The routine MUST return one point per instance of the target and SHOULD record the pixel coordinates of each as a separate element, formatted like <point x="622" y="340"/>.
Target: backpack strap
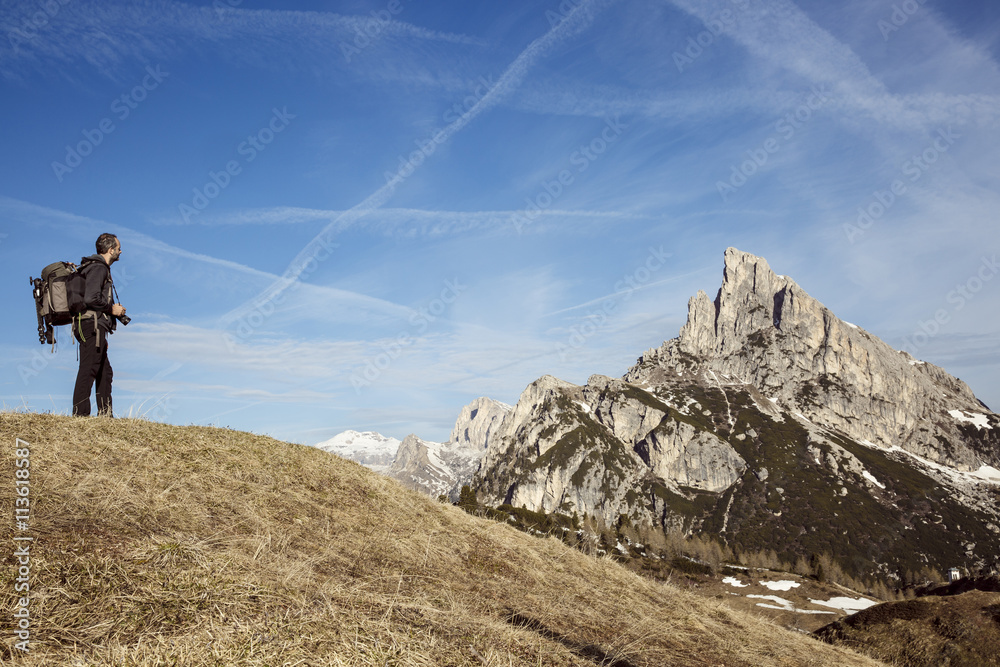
<point x="97" y="329"/>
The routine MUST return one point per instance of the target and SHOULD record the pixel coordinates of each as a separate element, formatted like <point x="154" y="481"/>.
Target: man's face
<point x="116" y="252"/>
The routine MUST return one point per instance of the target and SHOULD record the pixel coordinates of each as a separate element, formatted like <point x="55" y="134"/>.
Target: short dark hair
<point x="106" y="242"/>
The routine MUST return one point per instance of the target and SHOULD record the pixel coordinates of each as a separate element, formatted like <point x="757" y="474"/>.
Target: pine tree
<point x="467" y="499"/>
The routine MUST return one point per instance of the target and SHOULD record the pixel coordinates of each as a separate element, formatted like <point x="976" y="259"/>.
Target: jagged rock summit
<point x="442" y="468"/>
<point x="764" y="330"/>
<point x="768" y="423"/>
<point x="477" y="422"/>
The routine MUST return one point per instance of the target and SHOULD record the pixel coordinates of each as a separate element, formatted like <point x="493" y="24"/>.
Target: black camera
<point x="124" y="319"/>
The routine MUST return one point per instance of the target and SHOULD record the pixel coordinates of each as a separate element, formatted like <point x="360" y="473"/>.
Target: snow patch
<point x="871" y="478"/>
<point x="914" y="362"/>
<point x="780" y="585"/>
<point x="583" y="406"/>
<point x="988" y="474"/>
<point x="785" y="605"/>
<point x="978" y="420"/>
<point x="853" y="326"/>
<point x="849" y="605"/>
<point x="688" y="402"/>
<point x="985" y="474"/>
<point x="733" y="581"/>
<point x="774" y="598"/>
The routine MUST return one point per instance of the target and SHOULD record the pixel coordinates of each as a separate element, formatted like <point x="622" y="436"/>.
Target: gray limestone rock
<point x="766" y="331"/>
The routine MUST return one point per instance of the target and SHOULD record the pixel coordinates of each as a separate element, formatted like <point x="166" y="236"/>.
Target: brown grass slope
<point x="959" y="631"/>
<point x="165" y="545"/>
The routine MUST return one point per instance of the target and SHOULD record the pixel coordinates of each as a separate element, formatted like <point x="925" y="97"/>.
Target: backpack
<point x="59" y="295"/>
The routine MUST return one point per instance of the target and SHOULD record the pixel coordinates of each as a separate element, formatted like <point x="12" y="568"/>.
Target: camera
<point x="124" y="319"/>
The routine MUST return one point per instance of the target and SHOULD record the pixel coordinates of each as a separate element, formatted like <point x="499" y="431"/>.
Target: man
<point x="93" y="326"/>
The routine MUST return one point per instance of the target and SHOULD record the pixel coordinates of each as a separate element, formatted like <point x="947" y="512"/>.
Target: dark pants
<point x="94" y="367"/>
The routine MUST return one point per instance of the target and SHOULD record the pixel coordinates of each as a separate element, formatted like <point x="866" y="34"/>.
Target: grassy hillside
<point x="161" y="545"/>
<point x="960" y="631"/>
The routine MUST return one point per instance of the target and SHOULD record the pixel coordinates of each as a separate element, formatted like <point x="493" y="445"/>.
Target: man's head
<point x="109" y="247"/>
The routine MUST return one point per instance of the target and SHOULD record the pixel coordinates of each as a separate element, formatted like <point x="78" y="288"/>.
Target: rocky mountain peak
<point x="477" y="422"/>
<point x="752" y="298"/>
<point x="768" y="423"/>
<point x="765" y="331"/>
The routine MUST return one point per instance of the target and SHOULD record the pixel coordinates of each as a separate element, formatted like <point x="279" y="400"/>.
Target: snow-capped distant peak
<point x="368" y="448"/>
<point x="356" y="441"/>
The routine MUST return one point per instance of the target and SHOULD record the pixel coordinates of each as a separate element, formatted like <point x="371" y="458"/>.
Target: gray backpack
<point x="59" y="296"/>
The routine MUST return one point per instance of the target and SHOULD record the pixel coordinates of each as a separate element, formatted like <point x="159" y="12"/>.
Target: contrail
<point x="575" y="22"/>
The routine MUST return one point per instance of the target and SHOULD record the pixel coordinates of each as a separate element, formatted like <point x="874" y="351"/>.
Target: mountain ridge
<point x="756" y="425"/>
<point x="433" y="468"/>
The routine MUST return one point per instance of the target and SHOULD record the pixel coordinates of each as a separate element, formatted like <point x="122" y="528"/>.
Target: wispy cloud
<point x="108" y="36"/>
<point x="578" y="20"/>
<point x="410" y="221"/>
<point x="782" y="34"/>
<point x="205" y="272"/>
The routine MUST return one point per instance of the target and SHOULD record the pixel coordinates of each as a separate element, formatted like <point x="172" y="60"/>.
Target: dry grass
<point x="165" y="545"/>
<point x="959" y="630"/>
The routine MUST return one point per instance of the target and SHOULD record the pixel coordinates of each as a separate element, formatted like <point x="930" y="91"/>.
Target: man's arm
<point x="94" y="297"/>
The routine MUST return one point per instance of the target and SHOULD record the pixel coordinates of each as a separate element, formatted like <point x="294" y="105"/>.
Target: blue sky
<point x="365" y="214"/>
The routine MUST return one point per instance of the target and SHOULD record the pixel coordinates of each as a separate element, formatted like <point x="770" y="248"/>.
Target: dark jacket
<point x="98" y="296"/>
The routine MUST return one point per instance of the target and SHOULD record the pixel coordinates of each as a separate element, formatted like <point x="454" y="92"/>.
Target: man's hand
<point x="117" y="310"/>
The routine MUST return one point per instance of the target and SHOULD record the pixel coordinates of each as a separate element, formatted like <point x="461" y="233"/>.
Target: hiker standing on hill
<point x="93" y="326"/>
